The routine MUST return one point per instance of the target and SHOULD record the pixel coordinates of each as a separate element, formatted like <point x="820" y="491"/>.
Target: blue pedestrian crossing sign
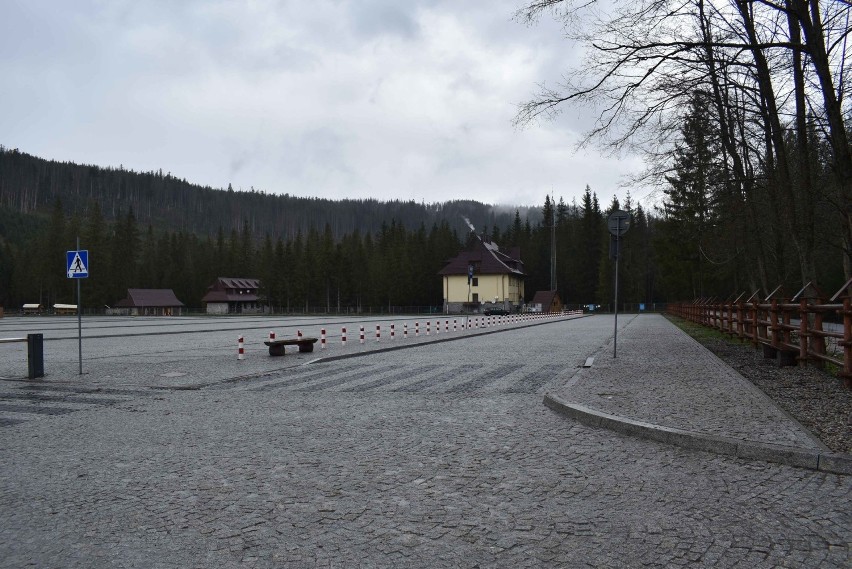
<point x="77" y="264"/>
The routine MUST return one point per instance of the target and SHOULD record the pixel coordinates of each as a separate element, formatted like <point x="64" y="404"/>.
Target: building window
<point x="475" y="281"/>
<point x="475" y="297"/>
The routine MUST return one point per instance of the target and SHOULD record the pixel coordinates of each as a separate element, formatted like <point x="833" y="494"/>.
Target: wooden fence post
<point x="811" y="340"/>
<point x="846" y="374"/>
<point x="845" y="293"/>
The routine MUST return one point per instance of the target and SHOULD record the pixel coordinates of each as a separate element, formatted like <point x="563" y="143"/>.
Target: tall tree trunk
<point x="789" y="213"/>
<point x="804" y="185"/>
<point x="808" y="14"/>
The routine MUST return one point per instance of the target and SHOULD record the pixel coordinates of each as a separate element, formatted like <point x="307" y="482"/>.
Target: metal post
<point x="79" y="320"/>
<point x="615" y="333"/>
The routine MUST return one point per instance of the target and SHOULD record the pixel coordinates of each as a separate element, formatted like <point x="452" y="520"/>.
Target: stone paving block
<point x="835" y="462"/>
<point x="779" y="454"/>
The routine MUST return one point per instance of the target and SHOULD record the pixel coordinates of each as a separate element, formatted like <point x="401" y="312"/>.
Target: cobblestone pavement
<point x="190" y="351"/>
<point x="441" y="455"/>
<point x="655" y="360"/>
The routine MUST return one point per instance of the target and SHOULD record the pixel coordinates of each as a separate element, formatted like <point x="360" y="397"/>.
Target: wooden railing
<point x="790" y="330"/>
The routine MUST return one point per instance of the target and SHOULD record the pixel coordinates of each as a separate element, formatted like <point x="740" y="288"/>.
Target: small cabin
<point x="545" y="301"/>
<point x="30" y="309"/>
<point x="149" y="302"/>
<point x="229" y="295"/>
<point x="65" y="309"/>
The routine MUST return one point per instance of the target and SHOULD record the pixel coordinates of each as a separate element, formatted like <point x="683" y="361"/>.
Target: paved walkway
<point x="441" y="455"/>
<point x="665" y="385"/>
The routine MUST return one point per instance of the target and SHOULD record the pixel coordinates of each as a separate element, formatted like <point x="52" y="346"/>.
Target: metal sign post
<point x="618" y="224"/>
<point x="77" y="267"/>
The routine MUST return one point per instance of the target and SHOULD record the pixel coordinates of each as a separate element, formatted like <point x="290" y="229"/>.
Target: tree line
<point x="568" y="249"/>
<point x="395" y="267"/>
<point x="741" y="109"/>
<point x="392" y="267"/>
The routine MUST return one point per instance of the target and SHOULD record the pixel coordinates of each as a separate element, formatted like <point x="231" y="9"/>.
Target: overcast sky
<point x="338" y="99"/>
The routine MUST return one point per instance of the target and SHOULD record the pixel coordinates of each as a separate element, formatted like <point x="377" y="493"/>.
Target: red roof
<point x="487" y="260"/>
<point x="149" y="297"/>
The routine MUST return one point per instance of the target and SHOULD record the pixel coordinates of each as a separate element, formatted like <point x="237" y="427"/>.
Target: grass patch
<point x="702" y="333"/>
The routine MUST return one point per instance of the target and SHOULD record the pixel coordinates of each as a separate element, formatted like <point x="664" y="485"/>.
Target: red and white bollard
<point x="343" y="336"/>
<point x="446" y="326"/>
<point x="271" y="335"/>
<point x="455" y="325"/>
<point x="322" y="338"/>
<point x="299" y="334"/>
<point x="428" y="326"/>
<point x="417" y="329"/>
<point x="361" y="331"/>
<point x="405" y="331"/>
<point x="393" y="331"/>
<point x="378" y="333"/>
<point x="241" y="352"/>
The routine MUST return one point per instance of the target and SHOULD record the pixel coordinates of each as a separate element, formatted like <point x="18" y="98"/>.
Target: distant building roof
<point x="149" y="297"/>
<point x="230" y="289"/>
<point x="238" y="283"/>
<point x="487" y="260"/>
<point x="545" y="297"/>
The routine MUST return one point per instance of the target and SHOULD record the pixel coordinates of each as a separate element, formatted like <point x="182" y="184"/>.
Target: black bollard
<point x="35" y="355"/>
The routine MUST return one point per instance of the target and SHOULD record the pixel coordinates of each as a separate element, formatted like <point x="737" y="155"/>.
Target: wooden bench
<point x="276" y="347"/>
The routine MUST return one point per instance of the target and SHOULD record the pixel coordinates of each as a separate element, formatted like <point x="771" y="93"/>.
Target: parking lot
<point x="173" y="351"/>
<point x="170" y="452"/>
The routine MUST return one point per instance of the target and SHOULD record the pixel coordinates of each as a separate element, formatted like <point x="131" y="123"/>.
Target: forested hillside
<point x="155" y="231"/>
<point x="32" y="185"/>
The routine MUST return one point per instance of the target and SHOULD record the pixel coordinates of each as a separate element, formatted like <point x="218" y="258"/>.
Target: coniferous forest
<point x="150" y="230"/>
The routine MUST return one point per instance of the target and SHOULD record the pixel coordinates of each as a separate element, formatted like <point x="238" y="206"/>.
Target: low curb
<point x="835" y="463"/>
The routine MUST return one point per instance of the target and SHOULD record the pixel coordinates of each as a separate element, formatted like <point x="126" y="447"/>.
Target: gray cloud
<point x="337" y="99"/>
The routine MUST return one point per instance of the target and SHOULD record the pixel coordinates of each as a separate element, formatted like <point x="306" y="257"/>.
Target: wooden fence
<point x="791" y="330"/>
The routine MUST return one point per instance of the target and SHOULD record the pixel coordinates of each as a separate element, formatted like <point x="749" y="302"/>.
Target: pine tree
<point x="590" y="240"/>
<point x="605" y="292"/>
<point x="94" y="238"/>
<point x="52" y="274"/>
<point x="689" y="207"/>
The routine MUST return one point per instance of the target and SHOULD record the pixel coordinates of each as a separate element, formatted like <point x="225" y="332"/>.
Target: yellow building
<point x="484" y="279"/>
